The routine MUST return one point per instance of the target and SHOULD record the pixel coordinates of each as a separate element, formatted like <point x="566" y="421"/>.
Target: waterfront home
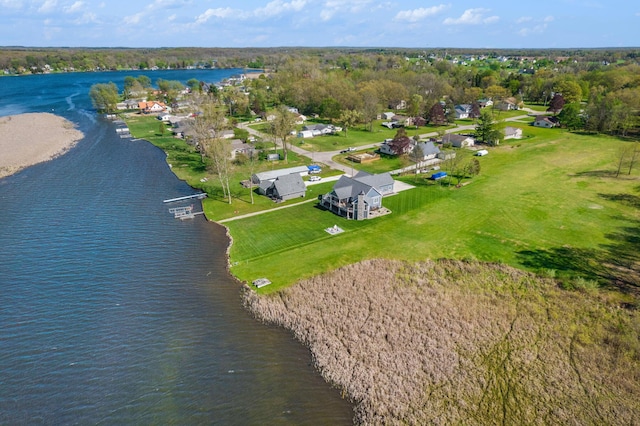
<point x="358" y="197"/>
<point x="286" y="187"/>
<point x="152" y="107"/>
<point x="271" y="175"/>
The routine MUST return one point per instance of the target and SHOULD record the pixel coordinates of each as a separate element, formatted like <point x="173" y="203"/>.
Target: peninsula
<point x="32" y="138"/>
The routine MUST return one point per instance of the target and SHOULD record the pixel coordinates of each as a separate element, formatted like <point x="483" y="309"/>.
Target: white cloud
<point x="47" y="6"/>
<point x="278" y="7"/>
<point x="549" y="19"/>
<point x="335" y="7"/>
<point x="472" y="17"/>
<point x="274" y="8"/>
<point x="215" y="13"/>
<point x="133" y="19"/>
<point x="74" y="7"/>
<point x="86" y="18"/>
<point x="524" y="19"/>
<point x="416" y="15"/>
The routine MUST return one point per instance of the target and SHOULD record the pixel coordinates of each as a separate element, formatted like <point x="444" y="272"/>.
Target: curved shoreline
<point x="32" y="138"/>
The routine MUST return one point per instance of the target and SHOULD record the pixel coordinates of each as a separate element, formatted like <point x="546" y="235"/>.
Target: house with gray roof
<point x="271" y="175"/>
<point x="358" y="196"/>
<point x="458" y="141"/>
<point x="286" y="187"/>
<point x="427" y="151"/>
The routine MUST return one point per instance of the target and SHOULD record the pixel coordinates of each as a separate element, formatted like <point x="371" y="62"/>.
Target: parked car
<point x="314" y="178"/>
<point x="350" y="149"/>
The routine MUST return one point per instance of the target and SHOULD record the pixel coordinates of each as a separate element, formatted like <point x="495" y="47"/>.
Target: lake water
<point x="114" y="312"/>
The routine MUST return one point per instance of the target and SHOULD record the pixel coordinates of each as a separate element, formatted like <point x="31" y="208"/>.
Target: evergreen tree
<point x="486" y="130"/>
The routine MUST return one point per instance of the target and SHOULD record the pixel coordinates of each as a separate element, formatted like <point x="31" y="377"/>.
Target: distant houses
<point x="546" y="121"/>
<point x="313" y="130"/>
<point x="462" y="111"/>
<point x="152" y="107"/>
<point x="358" y="197"/>
<point x="458" y="141"/>
<point x="512" y="133"/>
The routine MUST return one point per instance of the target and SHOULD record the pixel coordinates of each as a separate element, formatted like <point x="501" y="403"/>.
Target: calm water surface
<point x="113" y="312"/>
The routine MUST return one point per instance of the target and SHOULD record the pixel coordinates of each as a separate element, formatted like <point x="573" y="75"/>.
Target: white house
<point x="462" y="111"/>
<point x="458" y="141"/>
<point x="512" y="133"/>
<point x="545" y="121"/>
<point x="507" y="104"/>
<point x="427" y="151"/>
<point x="305" y="134"/>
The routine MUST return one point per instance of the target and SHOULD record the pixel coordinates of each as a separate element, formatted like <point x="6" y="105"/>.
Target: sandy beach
<point x="29" y="139"/>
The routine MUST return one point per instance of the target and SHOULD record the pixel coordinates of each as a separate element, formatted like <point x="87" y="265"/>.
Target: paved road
<point x="326" y="157"/>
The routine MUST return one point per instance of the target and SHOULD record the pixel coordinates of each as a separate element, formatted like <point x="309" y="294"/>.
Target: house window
<point x="375" y="200"/>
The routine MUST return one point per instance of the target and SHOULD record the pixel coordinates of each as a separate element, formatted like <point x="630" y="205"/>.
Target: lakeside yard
<point x="548" y="202"/>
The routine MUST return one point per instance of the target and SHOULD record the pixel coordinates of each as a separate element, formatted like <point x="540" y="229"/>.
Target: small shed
<point x="481" y="153"/>
<point x="305" y="134"/>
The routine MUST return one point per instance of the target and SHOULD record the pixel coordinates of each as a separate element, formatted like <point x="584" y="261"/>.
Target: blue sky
<point x="357" y="23"/>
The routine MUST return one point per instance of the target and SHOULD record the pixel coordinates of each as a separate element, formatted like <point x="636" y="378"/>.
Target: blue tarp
<point x="438" y="175"/>
<point x="313" y="167"/>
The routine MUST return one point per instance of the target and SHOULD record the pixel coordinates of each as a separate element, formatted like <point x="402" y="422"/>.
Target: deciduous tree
<point x="282" y="126"/>
<point x="436" y="115"/>
<point x="104" y="96"/>
<point x="557" y="103"/>
<point x="349" y="118"/>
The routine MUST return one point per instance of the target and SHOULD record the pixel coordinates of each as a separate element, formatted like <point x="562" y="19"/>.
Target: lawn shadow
<point x="595" y="173"/>
<point x="615" y="264"/>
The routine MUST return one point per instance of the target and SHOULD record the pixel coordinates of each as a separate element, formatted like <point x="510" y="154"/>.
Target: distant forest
<point x="596" y="90"/>
<point x="20" y="60"/>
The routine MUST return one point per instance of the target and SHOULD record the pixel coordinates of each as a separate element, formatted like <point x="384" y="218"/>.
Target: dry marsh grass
<point x="454" y="342"/>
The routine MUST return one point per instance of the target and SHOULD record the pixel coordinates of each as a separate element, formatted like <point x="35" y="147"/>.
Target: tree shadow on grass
<point x="626" y="199"/>
<point x="595" y="173"/>
<point x="615" y="264"/>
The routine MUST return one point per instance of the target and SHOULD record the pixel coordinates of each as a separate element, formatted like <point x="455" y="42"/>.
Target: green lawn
<point x="358" y="136"/>
<point x="544" y="203"/>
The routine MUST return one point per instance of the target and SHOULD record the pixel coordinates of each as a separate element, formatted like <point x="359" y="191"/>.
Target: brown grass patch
<point x="443" y="342"/>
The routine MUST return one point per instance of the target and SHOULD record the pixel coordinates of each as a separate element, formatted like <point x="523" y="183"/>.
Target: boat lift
<point x="183" y="213"/>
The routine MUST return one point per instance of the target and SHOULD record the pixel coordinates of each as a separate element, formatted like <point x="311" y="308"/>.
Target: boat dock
<point x="199" y="196"/>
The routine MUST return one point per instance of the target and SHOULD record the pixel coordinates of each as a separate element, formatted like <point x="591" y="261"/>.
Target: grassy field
<point x="359" y="136"/>
<point x="546" y="203"/>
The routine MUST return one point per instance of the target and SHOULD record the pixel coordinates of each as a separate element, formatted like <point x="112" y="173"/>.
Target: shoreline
<point x="32" y="138"/>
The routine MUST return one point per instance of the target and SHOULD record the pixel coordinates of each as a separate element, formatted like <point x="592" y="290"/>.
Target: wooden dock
<point x="199" y="196"/>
